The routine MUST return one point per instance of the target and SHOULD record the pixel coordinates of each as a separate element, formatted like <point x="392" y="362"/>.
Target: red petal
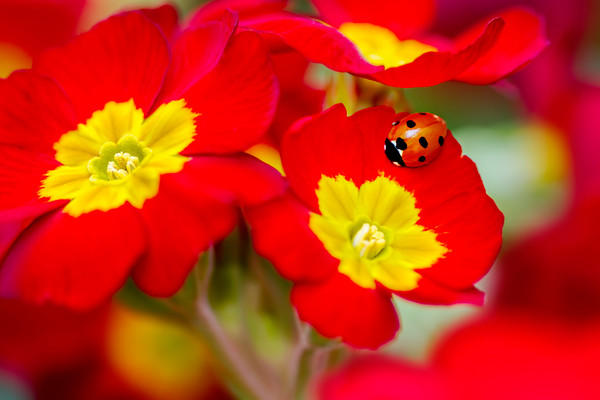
<point x="378" y="377"/>
<point x="508" y="354"/>
<point x="245" y="8"/>
<point x="318" y="42"/>
<point x="470" y="226"/>
<point x="521" y="40"/>
<point x="430" y="292"/>
<point x="194" y="209"/>
<point x="35" y="25"/>
<point x="237" y="100"/>
<point x="281" y="234"/>
<point x="34" y="112"/>
<point x="554" y="271"/>
<point x="437" y="67"/>
<point x="404" y="17"/>
<point x="297" y="99"/>
<point x="239" y="179"/>
<point x="374" y="124"/>
<point x="78" y="262"/>
<point x="325" y="144"/>
<point x="121" y="58"/>
<point x="14" y="221"/>
<point x="195" y="53"/>
<point x="46" y="339"/>
<point x="363" y="318"/>
<point x="165" y="17"/>
<point x="181" y="222"/>
<point x="29" y="127"/>
<point x="21" y="174"/>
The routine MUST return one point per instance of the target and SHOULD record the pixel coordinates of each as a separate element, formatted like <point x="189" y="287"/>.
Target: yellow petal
<point x="359" y="270"/>
<point x="334" y="236"/>
<point x="116" y="120"/>
<point x="388" y="204"/>
<point x="337" y="198"/>
<point x="394" y="276"/>
<point x="380" y="46"/>
<point x="64" y="182"/>
<point x="170" y="128"/>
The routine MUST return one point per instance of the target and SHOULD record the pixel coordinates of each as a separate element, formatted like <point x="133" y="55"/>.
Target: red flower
<point x="566" y="27"/>
<point x="500" y="357"/>
<point x="28" y="27"/>
<point x="386" y="42"/>
<point x="297" y="99"/>
<point x="43" y="348"/>
<point x="109" y="353"/>
<point x="554" y="272"/>
<point x="354" y="229"/>
<point x="118" y="156"/>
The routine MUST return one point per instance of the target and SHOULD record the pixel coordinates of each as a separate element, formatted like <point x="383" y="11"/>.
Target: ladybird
<point x="415" y="140"/>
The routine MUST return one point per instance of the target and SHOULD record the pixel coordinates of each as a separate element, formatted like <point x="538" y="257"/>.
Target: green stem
<point x="238" y="366"/>
<point x="301" y="346"/>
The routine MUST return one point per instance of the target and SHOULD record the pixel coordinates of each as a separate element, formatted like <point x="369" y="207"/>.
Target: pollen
<point x="368" y="241"/>
<point x="123" y="165"/>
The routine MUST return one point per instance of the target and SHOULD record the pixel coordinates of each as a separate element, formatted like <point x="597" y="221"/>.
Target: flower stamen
<point x="368" y="241"/>
<point x="123" y="165"/>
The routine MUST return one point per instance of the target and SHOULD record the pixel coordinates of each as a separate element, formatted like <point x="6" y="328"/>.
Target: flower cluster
<point x="150" y="147"/>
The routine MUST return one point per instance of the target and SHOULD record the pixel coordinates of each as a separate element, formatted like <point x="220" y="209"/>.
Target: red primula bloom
<point x="555" y="272"/>
<point x="297" y="99"/>
<point x="387" y="42"/>
<point x="540" y="342"/>
<point x="500" y="357"/>
<point x="28" y="27"/>
<point x="49" y="353"/>
<point x="354" y="229"/>
<point x="118" y="156"/>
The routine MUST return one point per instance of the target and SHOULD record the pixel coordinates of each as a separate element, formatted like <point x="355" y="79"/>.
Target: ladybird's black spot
<point x="423" y="113"/>
<point x="393" y="154"/>
<point x="401" y="144"/>
<point x="441" y="140"/>
<point x="422" y="159"/>
<point x="410" y="123"/>
<point x="423" y="142"/>
<point x="395" y="123"/>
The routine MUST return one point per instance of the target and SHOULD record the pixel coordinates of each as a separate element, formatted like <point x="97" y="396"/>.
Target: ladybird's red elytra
<point x="415" y="140"/>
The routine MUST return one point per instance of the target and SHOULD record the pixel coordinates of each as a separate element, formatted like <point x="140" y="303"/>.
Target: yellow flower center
<point x="118" y="161"/>
<point x="380" y="46"/>
<point x="373" y="231"/>
<point x="117" y="156"/>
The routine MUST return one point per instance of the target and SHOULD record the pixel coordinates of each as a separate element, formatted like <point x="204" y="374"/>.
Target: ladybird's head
<point x="393" y="154"/>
